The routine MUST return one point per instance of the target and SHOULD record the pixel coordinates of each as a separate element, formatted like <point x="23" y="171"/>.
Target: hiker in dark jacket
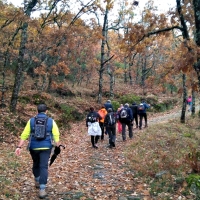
<point x="134" y="108"/>
<point x="142" y="107"/>
<point x="110" y="123"/>
<point x="94" y="130"/>
<point x="108" y="105"/>
<point x="126" y="121"/>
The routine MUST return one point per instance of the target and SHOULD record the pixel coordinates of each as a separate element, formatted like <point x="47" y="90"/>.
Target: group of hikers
<point x="107" y="121"/>
<point x="43" y="134"/>
<point x="42" y="131"/>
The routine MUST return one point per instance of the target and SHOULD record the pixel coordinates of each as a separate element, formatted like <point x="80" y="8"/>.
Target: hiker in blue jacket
<point x="108" y="105"/>
<point x="126" y="119"/>
<point x="40" y="149"/>
<point x="142" y="107"/>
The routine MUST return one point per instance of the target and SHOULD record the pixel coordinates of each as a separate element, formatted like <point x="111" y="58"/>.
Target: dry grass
<point x="160" y="155"/>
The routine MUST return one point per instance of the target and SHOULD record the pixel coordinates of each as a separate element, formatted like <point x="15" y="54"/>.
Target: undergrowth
<point x="161" y="156"/>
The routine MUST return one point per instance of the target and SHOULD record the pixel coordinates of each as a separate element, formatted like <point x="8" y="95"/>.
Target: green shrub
<point x="161" y="107"/>
<point x="24" y="99"/>
<point x="165" y="105"/>
<point x="115" y="105"/>
<point x="37" y="99"/>
<point x="129" y="99"/>
<point x="193" y="181"/>
<point x="69" y="114"/>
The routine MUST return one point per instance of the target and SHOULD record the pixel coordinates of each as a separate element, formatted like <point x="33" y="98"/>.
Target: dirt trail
<point x="167" y="116"/>
<point x="81" y="172"/>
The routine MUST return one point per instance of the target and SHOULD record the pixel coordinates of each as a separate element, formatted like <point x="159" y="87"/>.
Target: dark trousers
<point x="143" y="115"/>
<point x="130" y="130"/>
<point x="135" y="118"/>
<point x="94" y="139"/>
<point x="40" y="164"/>
<point x="112" y="135"/>
<point x="101" y="124"/>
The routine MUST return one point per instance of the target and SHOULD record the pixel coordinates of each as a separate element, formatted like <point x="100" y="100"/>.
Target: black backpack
<point x="92" y="117"/>
<point x="39" y="131"/>
<point x="111" y="119"/>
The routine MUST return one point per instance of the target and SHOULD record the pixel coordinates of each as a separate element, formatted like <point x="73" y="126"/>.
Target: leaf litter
<point x="79" y="172"/>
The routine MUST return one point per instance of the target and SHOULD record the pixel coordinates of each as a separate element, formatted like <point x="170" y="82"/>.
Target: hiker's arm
<point x="86" y="121"/>
<point x="18" y="149"/>
<point x="26" y="132"/>
<point x="99" y="116"/>
<point x="56" y="133"/>
<point x="147" y="105"/>
<point x="25" y="135"/>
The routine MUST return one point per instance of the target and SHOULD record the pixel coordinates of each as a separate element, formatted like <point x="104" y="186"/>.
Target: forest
<point x="74" y="54"/>
<point x="161" y="51"/>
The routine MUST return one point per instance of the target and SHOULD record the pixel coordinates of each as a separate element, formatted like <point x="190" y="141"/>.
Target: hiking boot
<point x="42" y="194"/>
<point x="37" y="185"/>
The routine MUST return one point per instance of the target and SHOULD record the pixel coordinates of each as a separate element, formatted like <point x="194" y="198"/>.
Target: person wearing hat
<point x="108" y="105"/>
<point x="40" y="148"/>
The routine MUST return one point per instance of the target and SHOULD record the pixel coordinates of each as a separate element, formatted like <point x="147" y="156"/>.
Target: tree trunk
<point x="184" y="99"/>
<point x="185" y="37"/>
<point x="101" y="70"/>
<point x="19" y="69"/>
<point x="125" y="71"/>
<point x="20" y="64"/>
<point x="129" y="73"/>
<point x="143" y="75"/>
<point x="196" y="5"/>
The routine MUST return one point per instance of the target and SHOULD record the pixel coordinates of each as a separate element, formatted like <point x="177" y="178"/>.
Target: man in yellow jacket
<point x="40" y="148"/>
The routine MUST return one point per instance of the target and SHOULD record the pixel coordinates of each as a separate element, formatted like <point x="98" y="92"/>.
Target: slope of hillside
<point x="80" y="172"/>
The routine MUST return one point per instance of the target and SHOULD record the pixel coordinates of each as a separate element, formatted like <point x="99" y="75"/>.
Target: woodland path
<point x="81" y="172"/>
